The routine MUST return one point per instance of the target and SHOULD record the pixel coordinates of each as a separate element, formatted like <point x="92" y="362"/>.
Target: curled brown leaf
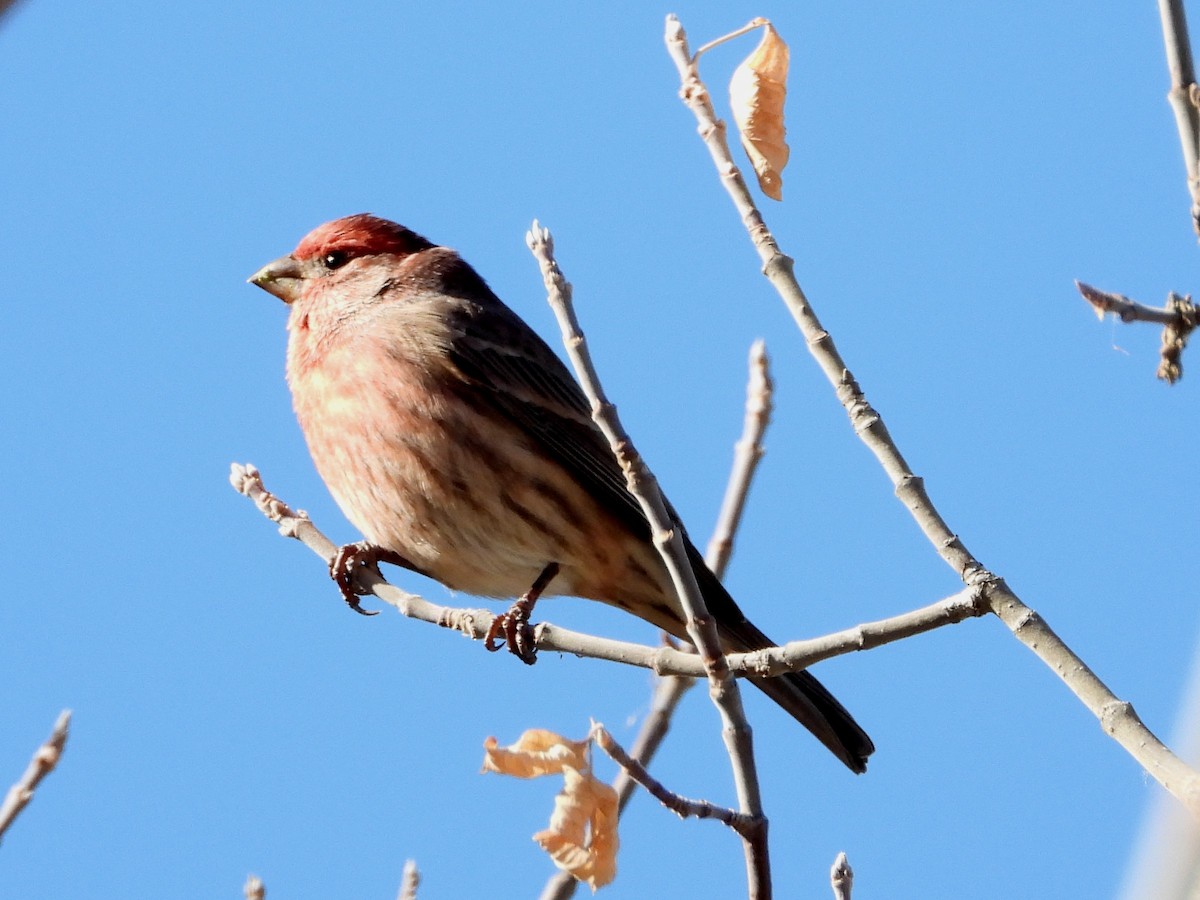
<point x="581" y="837"/>
<point x="757" y="93"/>
<point x="536" y="752"/>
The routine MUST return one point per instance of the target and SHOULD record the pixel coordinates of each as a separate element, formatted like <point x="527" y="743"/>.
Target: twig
<point x="1125" y="309"/>
<point x="841" y="878"/>
<point x="749" y="26"/>
<point x="473" y="623"/>
<point x="1182" y="95"/>
<point x="668" y="540"/>
<point x="670" y="689"/>
<point x="254" y="889"/>
<point x="1116" y="717"/>
<point x="44" y="760"/>
<point x="749" y="827"/>
<point x="747" y="453"/>
<point x="409" y="882"/>
<point x="1179" y="318"/>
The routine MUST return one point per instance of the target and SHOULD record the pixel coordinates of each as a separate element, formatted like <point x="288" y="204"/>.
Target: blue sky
<point x="954" y="168"/>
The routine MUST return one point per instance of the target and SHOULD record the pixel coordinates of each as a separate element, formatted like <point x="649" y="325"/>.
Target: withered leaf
<point x="582" y="835"/>
<point x="581" y="838"/>
<point x="757" y="93"/>
<point x="536" y="752"/>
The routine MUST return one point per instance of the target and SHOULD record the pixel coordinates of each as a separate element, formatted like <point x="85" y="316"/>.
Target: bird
<point x="458" y="443"/>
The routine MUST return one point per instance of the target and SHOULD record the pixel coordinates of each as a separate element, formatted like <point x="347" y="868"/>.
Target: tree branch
<point x="841" y="878"/>
<point x="409" y="882"/>
<point x="749" y="827"/>
<point x="668" y="540"/>
<point x="748" y="451"/>
<point x="44" y="760"/>
<point x="1182" y="95"/>
<point x="668" y="661"/>
<point x="1179" y="318"/>
<point x="670" y="689"/>
<point x="1116" y="717"/>
<point x="254" y="889"/>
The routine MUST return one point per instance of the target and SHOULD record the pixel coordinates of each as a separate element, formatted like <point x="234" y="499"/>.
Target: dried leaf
<point x="536" y="752"/>
<point x="757" y="93"/>
<point x="582" y="836"/>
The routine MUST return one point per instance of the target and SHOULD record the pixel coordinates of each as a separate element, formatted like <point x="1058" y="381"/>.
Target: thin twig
<point x="1179" y="319"/>
<point x="668" y="540"/>
<point x="45" y="758"/>
<point x="841" y="878"/>
<point x="409" y="882"/>
<point x="670" y="689"/>
<point x="1181" y="316"/>
<point x="254" y="889"/>
<point x="758" y="22"/>
<point x="1123" y="308"/>
<point x="749" y="827"/>
<point x="748" y="451"/>
<point x="1182" y="95"/>
<point x="1116" y="717"/>
<point x="474" y="623"/>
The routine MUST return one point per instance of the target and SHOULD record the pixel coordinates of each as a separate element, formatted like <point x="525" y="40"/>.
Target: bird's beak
<point x="283" y="278"/>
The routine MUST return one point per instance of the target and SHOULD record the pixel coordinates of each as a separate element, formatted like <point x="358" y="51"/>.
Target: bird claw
<point x="518" y="635"/>
<point x="514" y="624"/>
<point x="344" y="569"/>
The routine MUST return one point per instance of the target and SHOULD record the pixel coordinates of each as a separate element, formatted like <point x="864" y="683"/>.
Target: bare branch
<point x="44" y="760"/>
<point x="1182" y="95"/>
<point x="1117" y="718"/>
<point x="409" y="882"/>
<point x="1179" y="318"/>
<point x="668" y="540"/>
<point x="473" y="623"/>
<point x="749" y="827"/>
<point x="1125" y="309"/>
<point x="254" y="889"/>
<point x="841" y="878"/>
<point x="747" y="453"/>
<point x="670" y="689"/>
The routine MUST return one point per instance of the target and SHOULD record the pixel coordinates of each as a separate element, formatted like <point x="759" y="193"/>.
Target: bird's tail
<point x="799" y="693"/>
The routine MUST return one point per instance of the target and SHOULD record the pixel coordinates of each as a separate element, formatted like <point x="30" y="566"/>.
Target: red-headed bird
<point x="452" y="436"/>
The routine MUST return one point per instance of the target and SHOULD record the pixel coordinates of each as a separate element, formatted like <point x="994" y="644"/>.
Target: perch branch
<point x="473" y="623"/>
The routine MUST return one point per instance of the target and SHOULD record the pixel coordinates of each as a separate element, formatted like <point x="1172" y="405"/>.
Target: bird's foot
<point x="347" y="562"/>
<point x="514" y="624"/>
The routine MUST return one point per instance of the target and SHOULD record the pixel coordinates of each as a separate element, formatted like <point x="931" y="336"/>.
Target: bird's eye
<point x="335" y="259"/>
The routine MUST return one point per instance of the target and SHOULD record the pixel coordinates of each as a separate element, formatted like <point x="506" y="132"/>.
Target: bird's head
<point x="336" y="250"/>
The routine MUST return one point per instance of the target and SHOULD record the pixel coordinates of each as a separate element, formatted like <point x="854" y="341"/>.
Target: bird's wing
<point x="512" y="369"/>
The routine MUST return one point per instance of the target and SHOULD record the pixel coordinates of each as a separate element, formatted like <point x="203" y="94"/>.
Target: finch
<point x="455" y="439"/>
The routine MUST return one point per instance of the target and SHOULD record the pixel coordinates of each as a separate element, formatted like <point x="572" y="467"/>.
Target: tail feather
<point x="799" y="693"/>
<point x="810" y="704"/>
